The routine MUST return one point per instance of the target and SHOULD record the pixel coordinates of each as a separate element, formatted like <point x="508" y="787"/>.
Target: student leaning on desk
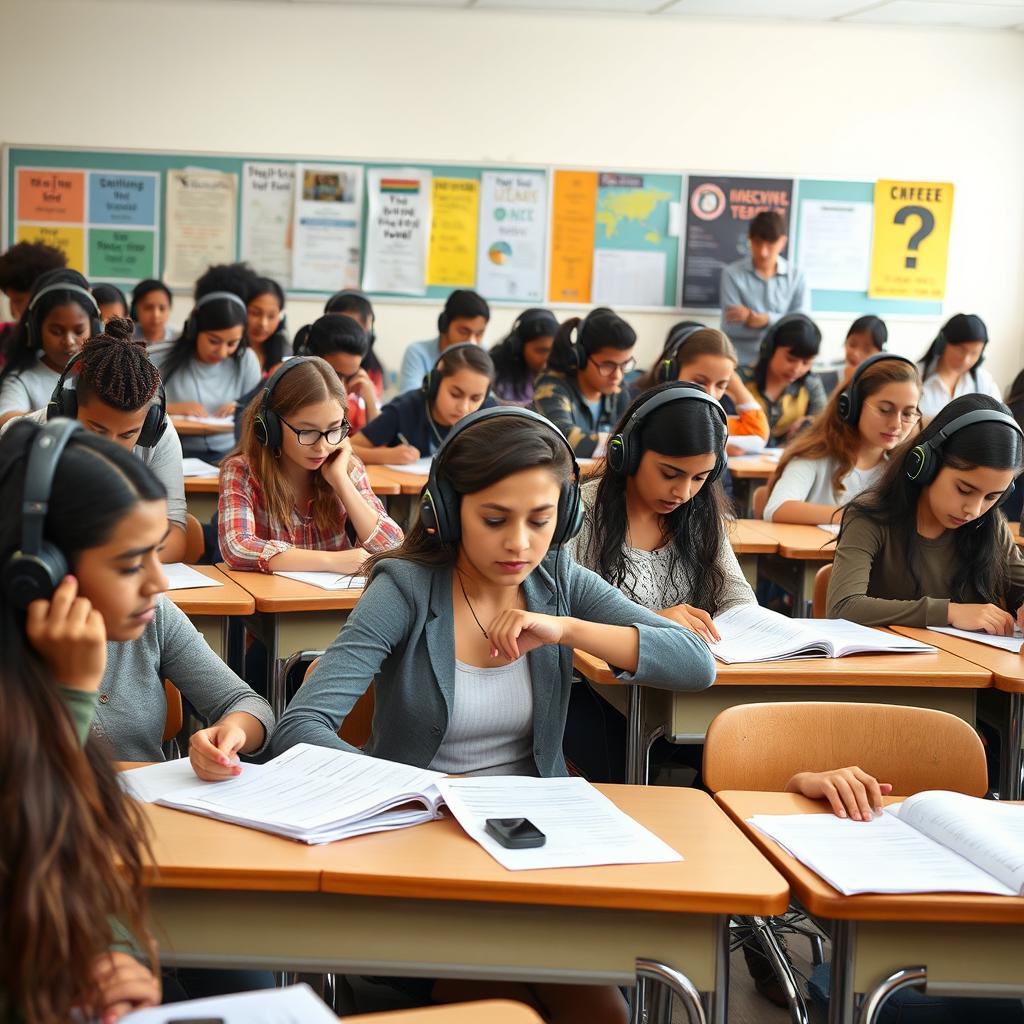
<point x="469" y="627"/>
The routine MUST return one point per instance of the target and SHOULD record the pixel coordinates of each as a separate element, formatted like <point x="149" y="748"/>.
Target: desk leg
<point x="670" y="982"/>
<point x="1012" y="784"/>
<point x="808" y="570"/>
<point x="908" y="977"/>
<point x="841" y="996"/>
<point x="636" y="748"/>
<point x="716" y="1002"/>
<point x="278" y="682"/>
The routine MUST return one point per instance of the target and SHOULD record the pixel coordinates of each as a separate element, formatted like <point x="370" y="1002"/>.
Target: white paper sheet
<point x="834" y="246"/>
<point x="421" y="467"/>
<point x="1005" y="643"/>
<point x="583" y="827"/>
<point x="200" y="222"/>
<point x="153" y="781"/>
<point x="210" y="421"/>
<point x="196" y="467"/>
<point x="293" y="1005"/>
<point x="265" y="234"/>
<point x="628" y="278"/>
<point x="748" y="444"/>
<point x="326" y="580"/>
<point x="510" y="254"/>
<point x="183" y="577"/>
<point x="327" y="224"/>
<point x="397" y="229"/>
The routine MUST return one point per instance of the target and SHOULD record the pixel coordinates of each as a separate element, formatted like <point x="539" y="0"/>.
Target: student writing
<point x="294" y="496"/>
<point x="844" y="451"/>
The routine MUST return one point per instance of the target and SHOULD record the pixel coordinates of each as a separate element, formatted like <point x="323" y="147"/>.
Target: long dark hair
<point x="873" y="325"/>
<point x="600" y="328"/>
<point x="477" y="458"/>
<point x="353" y="303"/>
<point x="214" y="314"/>
<point x="71" y="845"/>
<point x="696" y="529"/>
<point x="276" y="346"/>
<point x="959" y="329"/>
<point x="797" y="332"/>
<point x="980" y="567"/>
<point x="512" y="374"/>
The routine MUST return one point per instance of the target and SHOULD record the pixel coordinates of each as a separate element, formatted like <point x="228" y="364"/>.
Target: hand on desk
<point x="227" y="409"/>
<point x="695" y="619"/>
<point x="850" y="791"/>
<point x="988" y="618"/>
<point x="214" y="752"/>
<point x="122" y="985"/>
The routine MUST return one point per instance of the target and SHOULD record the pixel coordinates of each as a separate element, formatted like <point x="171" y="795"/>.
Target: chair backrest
<point x="358" y="724"/>
<point x="195" y="543"/>
<point x="175" y="713"/>
<point x="758" y="500"/>
<point x="760" y="747"/>
<point x="821" y="578"/>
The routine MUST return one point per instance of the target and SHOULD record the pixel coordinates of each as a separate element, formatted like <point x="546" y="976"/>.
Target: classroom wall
<point x="535" y="87"/>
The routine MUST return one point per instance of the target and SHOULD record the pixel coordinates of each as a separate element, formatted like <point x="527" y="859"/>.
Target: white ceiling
<point x="981" y="14"/>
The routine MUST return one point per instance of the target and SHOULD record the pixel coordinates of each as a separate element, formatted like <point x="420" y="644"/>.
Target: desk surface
<point x="229" y="599"/>
<point x="752" y="467"/>
<point x="822" y="900"/>
<point x="1006" y="667"/>
<point x="383" y="483"/>
<point x="202" y="484"/>
<point x="192" y="428"/>
<point x="747" y="538"/>
<point x="280" y="594"/>
<point x="941" y="669"/>
<point x="806" y="543"/>
<point x="491" y="1011"/>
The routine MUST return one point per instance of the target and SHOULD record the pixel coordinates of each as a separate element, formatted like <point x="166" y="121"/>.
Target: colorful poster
<point x="513" y="211"/>
<point x="118" y="254"/>
<point x="124" y="199"/>
<point x="70" y="240"/>
<point x="265" y="239"/>
<point x="327" y="225"/>
<point x="50" y="195"/>
<point x="833" y="244"/>
<point x="910" y="246"/>
<point x="200" y="223"/>
<point x="454" y="220"/>
<point x="636" y="245"/>
<point x="718" y="215"/>
<point x="397" y="230"/>
<point x="573" y="225"/>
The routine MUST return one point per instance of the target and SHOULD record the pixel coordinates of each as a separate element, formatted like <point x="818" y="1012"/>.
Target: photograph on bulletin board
<point x="718" y="215"/>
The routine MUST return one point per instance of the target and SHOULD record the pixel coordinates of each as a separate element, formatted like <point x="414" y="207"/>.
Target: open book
<point x="932" y="842"/>
<point x="318" y="795"/>
<point x="752" y="633"/>
<point x="1005" y="643"/>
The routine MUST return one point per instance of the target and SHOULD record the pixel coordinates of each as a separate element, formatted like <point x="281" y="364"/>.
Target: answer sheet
<point x="421" y="467"/>
<point x="294" y="1005"/>
<point x="197" y="468"/>
<point x="582" y="826"/>
<point x="326" y="580"/>
<point x="1005" y="643"/>
<point x="183" y="577"/>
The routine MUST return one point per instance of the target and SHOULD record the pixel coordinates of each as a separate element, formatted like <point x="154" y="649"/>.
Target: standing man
<point x="758" y="289"/>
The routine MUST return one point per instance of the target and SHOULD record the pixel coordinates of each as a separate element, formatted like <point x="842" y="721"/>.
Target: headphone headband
<point x="968" y="419"/>
<point x="539" y="317"/>
<point x="66" y="286"/>
<point x="229" y="296"/>
<point x="43" y="457"/>
<point x="849" y="403"/>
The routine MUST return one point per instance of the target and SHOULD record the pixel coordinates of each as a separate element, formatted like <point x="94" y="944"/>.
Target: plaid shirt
<point x="248" y="540"/>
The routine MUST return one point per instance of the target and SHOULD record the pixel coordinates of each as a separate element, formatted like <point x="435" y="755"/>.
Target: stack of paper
<point x="183" y="577"/>
<point x="294" y="1005"/>
<point x="326" y="580"/>
<point x="1006" y="643"/>
<point x="196" y="467"/>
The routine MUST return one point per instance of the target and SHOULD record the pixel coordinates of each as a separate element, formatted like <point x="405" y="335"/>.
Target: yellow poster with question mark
<point x="910" y="243"/>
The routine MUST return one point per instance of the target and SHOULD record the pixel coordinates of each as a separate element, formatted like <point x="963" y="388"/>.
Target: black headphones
<point x="347" y="293"/>
<point x="432" y="379"/>
<point x="577" y="355"/>
<point x="267" y="425"/>
<point x="624" y="451"/>
<point x="209" y="297"/>
<point x="925" y="460"/>
<point x="439" y="502"/>
<point x="768" y="339"/>
<point x="538" y="318"/>
<point x="850" y="401"/>
<point x="668" y="365"/>
<point x="35" y="571"/>
<point x="64" y="403"/>
<point x="95" y="321"/>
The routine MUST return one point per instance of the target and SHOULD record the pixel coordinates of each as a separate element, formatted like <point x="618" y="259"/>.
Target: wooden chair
<point x="758" y="500"/>
<point x="821" y="580"/>
<point x="175" y="720"/>
<point x="358" y="724"/>
<point x="195" y="542"/>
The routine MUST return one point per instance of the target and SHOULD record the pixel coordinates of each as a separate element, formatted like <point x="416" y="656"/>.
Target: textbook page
<point x="197" y="468"/>
<point x="326" y="580"/>
<point x="845" y="637"/>
<point x="582" y="826"/>
<point x="752" y="633"/>
<point x="293" y="1005"/>
<point x="988" y="833"/>
<point x="183" y="577"/>
<point x="884" y="855"/>
<point x="1005" y="643"/>
<point x="421" y="467"/>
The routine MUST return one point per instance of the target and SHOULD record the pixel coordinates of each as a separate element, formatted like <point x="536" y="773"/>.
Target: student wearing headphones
<point x="209" y="368"/>
<point x="781" y="379"/>
<point x="462" y="321"/>
<point x="111" y="301"/>
<point x="358" y="307"/>
<point x="582" y="391"/>
<point x="294" y="496"/>
<point x="416" y="422"/>
<point x="70" y="842"/>
<point x="468" y="630"/>
<point x="20" y="266"/>
<point x="342" y="343"/>
<point x="116" y="393"/>
<point x="522" y="355"/>
<point x="952" y="365"/>
<point x="706" y="356"/>
<point x="266" y="330"/>
<point x="928" y="546"/>
<point x="150" y="309"/>
<point x="845" y="450"/>
<point x="60" y="315"/>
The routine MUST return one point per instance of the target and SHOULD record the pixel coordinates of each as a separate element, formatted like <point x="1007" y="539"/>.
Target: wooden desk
<point x="752" y="467"/>
<point x="201" y="496"/>
<point x="209" y="608"/>
<point x="429" y="902"/>
<point x="809" y="546"/>
<point x="940" y="680"/>
<point x="291" y="618"/>
<point x="382" y="483"/>
<point x="486" y="1011"/>
<point x="1007" y="671"/>
<point x="191" y="428"/>
<point x="957" y="944"/>
<point x="748" y="542"/>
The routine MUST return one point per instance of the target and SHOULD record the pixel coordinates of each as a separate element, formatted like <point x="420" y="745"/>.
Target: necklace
<point x="469" y="605"/>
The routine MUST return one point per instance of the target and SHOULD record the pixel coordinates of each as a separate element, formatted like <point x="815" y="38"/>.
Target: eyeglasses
<point x="608" y="369"/>
<point x="308" y="438"/>
<point x="907" y="416"/>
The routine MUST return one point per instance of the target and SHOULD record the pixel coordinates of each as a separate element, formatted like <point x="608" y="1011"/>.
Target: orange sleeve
<point x="749" y="421"/>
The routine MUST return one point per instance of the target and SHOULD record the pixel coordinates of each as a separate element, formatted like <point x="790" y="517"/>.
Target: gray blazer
<point x="402" y="634"/>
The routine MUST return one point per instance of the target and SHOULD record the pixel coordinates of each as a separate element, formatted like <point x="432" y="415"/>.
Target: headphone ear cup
<point x="616" y="455"/>
<point x="29" y="578"/>
<point x="98" y="326"/>
<point x="267" y="429"/>
<point x="439" y="511"/>
<point x="718" y="470"/>
<point x="153" y="427"/>
<point x="570" y="514"/>
<point x="844" y="407"/>
<point x="667" y="371"/>
<point x="919" y="466"/>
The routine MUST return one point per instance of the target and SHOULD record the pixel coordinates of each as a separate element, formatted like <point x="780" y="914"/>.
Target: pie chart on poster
<point x="499" y="253"/>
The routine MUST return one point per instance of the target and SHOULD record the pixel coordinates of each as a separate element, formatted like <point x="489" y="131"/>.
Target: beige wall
<point x="616" y="91"/>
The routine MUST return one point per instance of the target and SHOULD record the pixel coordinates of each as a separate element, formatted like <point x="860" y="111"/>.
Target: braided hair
<point x="115" y="368"/>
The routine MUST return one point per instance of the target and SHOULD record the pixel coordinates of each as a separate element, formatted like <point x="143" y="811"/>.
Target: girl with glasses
<point x="305" y="503"/>
<point x="582" y="391"/>
<point x="845" y="450"/>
